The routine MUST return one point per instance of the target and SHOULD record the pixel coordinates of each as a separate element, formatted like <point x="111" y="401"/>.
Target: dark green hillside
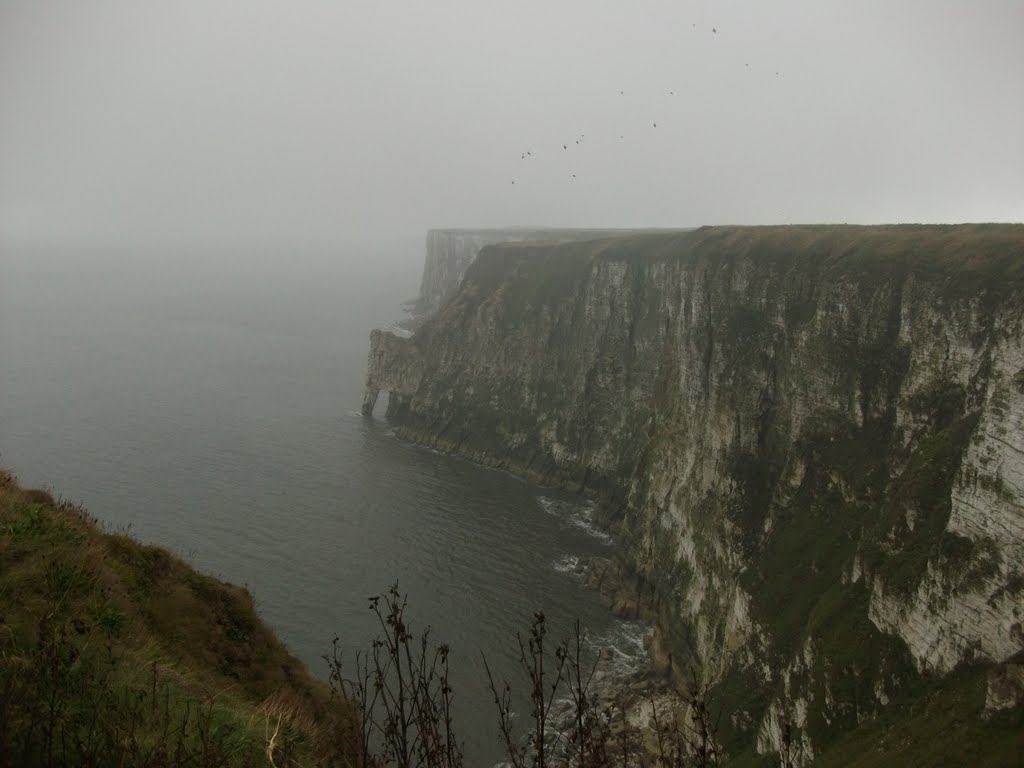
<point x="115" y="653"/>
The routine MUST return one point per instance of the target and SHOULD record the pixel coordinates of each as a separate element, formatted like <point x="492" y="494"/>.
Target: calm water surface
<point x="209" y="402"/>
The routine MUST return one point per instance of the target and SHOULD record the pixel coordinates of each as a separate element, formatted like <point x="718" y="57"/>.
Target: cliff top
<point x="522" y="229"/>
<point x="966" y="258"/>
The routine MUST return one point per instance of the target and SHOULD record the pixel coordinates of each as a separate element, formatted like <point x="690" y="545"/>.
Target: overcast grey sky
<point x="208" y="121"/>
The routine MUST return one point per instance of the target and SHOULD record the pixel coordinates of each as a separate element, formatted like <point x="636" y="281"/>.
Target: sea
<point x="207" y="400"/>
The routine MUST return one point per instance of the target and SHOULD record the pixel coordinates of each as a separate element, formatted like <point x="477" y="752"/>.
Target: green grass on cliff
<point x="115" y="653"/>
<point x="939" y="724"/>
<point x="978" y="253"/>
<point x="965" y="259"/>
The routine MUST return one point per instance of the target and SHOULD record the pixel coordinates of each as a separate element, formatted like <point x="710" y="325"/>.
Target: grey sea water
<point x="209" y="401"/>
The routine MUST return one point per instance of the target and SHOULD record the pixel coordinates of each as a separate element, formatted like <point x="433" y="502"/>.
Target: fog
<point x="304" y="124"/>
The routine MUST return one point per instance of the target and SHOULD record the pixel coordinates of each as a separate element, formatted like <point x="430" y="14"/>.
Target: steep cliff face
<point x="451" y="251"/>
<point x="808" y="440"/>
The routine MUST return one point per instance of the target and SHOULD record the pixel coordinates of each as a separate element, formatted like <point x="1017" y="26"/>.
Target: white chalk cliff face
<point x="449" y="254"/>
<point x="808" y="441"/>
<point x="974" y="609"/>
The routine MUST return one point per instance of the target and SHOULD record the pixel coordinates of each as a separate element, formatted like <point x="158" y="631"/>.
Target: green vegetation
<point x="117" y="654"/>
<point x="402" y="688"/>
<point x="113" y="653"/>
<point x="965" y="260"/>
<point x="937" y="723"/>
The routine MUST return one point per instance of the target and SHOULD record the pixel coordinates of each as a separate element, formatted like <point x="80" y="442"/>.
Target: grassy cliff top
<point x="113" y="652"/>
<point x="963" y="259"/>
<point x="529" y="230"/>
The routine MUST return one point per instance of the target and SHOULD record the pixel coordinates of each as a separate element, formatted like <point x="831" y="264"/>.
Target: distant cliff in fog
<point x="451" y="251"/>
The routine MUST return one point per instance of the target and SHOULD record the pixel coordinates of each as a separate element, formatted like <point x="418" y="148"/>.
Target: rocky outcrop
<point x="1005" y="686"/>
<point x="394" y="366"/>
<point x="809" y="442"/>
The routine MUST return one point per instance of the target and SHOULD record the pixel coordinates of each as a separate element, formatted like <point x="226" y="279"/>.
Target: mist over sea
<point x="208" y="402"/>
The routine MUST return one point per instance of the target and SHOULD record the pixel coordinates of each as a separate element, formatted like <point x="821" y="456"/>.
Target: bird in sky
<point x="579" y="139"/>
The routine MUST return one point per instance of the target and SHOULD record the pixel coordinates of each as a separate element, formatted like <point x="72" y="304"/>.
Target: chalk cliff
<point x="809" y="442"/>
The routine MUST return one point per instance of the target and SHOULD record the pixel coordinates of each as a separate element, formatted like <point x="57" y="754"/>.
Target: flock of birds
<point x="528" y="154"/>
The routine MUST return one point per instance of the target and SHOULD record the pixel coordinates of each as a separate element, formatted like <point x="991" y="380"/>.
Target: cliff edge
<point x="809" y="442"/>
<point x="450" y="252"/>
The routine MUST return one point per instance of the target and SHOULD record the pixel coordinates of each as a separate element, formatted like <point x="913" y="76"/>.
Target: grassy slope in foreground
<point x="116" y="653"/>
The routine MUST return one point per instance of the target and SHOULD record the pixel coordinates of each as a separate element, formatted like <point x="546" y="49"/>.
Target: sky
<point x="310" y="123"/>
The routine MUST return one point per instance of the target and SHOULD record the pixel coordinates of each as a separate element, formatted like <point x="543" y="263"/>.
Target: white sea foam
<point x="574" y="514"/>
<point x="623" y="647"/>
<point x="620" y="657"/>
<point x="566" y="564"/>
<point x="398" y="330"/>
